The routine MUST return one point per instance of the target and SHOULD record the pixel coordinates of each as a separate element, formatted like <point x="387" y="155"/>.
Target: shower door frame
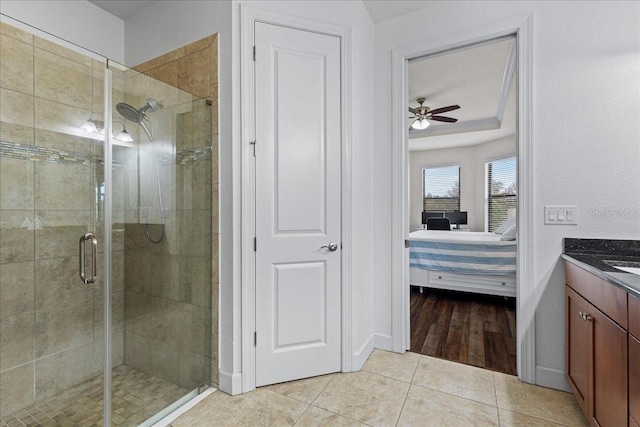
<point x="107" y="224"/>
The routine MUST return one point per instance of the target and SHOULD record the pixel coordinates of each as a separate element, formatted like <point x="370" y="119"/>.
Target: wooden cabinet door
<point x="578" y="344"/>
<point x="634" y="378"/>
<point x="608" y="405"/>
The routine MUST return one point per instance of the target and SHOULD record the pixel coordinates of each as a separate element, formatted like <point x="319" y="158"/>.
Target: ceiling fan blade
<point x="413" y="110"/>
<point x="443" y="119"/>
<point x="444" y="109"/>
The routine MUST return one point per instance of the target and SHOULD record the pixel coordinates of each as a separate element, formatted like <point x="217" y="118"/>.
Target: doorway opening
<point x="463" y="204"/>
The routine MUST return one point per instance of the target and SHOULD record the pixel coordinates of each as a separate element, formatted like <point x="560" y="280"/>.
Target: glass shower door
<point x="51" y="342"/>
<point x="161" y="211"/>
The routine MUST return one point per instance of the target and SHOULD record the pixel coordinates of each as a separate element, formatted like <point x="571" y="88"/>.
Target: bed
<point x="462" y="261"/>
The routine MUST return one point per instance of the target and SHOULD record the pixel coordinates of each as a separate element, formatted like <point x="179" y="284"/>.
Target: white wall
<point x="472" y="161"/>
<point x="586" y="128"/>
<point x="79" y="22"/>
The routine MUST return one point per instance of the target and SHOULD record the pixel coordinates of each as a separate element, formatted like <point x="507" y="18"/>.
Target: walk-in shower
<point x="120" y="350"/>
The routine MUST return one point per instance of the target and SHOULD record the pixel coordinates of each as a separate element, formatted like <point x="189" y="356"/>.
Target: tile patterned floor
<point x="136" y="397"/>
<point x="393" y="390"/>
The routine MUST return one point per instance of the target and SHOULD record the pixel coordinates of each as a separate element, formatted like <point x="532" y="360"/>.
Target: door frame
<point x="522" y="27"/>
<point x="248" y="17"/>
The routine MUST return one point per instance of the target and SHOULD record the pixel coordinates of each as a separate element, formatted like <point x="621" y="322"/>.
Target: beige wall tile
<point x="137" y="272"/>
<point x="165" y="360"/>
<point x="61" y="51"/>
<point x="169" y="56"/>
<point x="117" y="272"/>
<point x="214" y="63"/>
<point x="16" y="389"/>
<point x="195" y="233"/>
<point x="167" y="73"/>
<point x="16" y="65"/>
<point x="16" y="340"/>
<point x="17" y="241"/>
<point x="170" y="322"/>
<point x="62" y="80"/>
<point x="195" y="281"/>
<point x="16" y="108"/>
<point x="63" y="141"/>
<point x="200" y="44"/>
<point x="63" y="187"/>
<point x="193" y="369"/>
<point x="17" y="134"/>
<point x="57" y="117"/>
<point x="17" y="289"/>
<point x="117" y="315"/>
<point x="146" y="66"/>
<point x="64" y="326"/>
<point x="16" y="184"/>
<point x="164" y="279"/>
<point x="60" y="371"/>
<point x="57" y="282"/>
<point x="199" y="331"/>
<point x="60" y="233"/>
<point x="194" y="73"/>
<point x="137" y="351"/>
<point x="16" y="33"/>
<point x="137" y="314"/>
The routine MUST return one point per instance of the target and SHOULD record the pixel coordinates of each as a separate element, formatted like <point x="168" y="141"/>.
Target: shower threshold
<point x="136" y="397"/>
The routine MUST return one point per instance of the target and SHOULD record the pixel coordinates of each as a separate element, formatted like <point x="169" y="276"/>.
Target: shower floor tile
<point x="136" y="397"/>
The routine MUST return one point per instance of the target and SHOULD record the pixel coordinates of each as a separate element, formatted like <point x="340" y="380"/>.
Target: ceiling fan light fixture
<point x="420" y="124"/>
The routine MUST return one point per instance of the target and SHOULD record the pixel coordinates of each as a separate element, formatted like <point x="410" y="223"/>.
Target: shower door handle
<point x="94" y="252"/>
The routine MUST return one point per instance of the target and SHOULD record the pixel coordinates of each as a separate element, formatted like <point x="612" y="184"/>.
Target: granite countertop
<point x="590" y="254"/>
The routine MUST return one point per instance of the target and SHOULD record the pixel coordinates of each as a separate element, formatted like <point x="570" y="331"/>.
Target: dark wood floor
<point x="478" y="330"/>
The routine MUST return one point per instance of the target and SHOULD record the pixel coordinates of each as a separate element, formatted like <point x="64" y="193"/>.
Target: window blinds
<point x="501" y="191"/>
<point x="441" y="188"/>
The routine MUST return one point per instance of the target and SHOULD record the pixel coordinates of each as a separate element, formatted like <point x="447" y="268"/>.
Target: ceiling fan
<point x="424" y="114"/>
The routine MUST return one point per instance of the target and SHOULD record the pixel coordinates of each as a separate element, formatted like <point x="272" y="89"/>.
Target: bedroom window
<point x="441" y="188"/>
<point x="501" y="191"/>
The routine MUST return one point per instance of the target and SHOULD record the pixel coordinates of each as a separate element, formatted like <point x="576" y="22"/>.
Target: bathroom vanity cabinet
<point x="599" y="348"/>
<point x="634" y="361"/>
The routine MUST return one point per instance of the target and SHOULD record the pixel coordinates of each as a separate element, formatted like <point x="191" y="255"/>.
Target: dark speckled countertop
<point x="590" y="254"/>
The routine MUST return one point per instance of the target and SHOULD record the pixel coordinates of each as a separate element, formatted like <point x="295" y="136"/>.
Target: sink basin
<point x="626" y="266"/>
<point x="634" y="270"/>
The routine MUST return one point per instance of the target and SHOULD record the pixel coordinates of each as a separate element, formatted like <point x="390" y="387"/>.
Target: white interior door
<point x="298" y="193"/>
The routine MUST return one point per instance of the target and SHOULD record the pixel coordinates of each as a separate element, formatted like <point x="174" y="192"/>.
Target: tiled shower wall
<point x="171" y="288"/>
<point x="50" y="322"/>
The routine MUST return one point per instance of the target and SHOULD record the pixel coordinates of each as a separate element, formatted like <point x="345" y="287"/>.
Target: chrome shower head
<point x="139" y="115"/>
<point x="130" y="113"/>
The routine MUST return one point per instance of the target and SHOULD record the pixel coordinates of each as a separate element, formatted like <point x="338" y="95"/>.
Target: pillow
<point x="509" y="233"/>
<point x="511" y="220"/>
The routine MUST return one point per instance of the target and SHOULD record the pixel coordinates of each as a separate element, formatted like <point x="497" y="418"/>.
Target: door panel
<point x="578" y="337"/>
<point x="298" y="188"/>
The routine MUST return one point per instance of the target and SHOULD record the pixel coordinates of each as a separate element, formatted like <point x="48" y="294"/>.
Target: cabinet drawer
<point x="610" y="299"/>
<point x="634" y="378"/>
<point x="634" y="316"/>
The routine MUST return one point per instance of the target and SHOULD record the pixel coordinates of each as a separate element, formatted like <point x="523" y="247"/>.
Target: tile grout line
<point x="408" y="390"/>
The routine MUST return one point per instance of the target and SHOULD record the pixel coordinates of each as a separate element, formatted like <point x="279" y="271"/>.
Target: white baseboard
<point x="360" y="357"/>
<point x="551" y="378"/>
<point x="230" y="383"/>
<point x="383" y="342"/>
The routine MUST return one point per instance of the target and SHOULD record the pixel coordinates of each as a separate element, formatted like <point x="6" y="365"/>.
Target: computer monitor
<point x="456" y="217"/>
<point x="431" y="214"/>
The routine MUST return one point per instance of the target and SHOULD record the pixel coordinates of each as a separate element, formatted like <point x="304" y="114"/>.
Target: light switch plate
<point x="561" y="215"/>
